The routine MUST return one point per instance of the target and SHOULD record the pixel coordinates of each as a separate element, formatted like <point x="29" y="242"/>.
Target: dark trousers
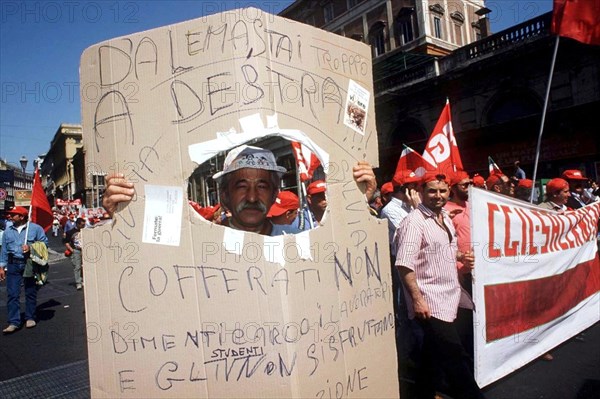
<point x="14" y="279"/>
<point x="442" y="348"/>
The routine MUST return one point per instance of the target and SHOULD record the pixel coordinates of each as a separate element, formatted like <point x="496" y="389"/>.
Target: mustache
<point x="259" y="206"/>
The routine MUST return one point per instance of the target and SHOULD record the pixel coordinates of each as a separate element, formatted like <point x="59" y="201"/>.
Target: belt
<point x="14" y="259"/>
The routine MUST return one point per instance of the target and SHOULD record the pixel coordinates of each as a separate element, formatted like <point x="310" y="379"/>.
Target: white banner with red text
<point x="536" y="280"/>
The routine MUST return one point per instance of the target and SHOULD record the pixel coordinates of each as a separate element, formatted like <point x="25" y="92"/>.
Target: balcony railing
<point x="505" y="40"/>
<point x="508" y="38"/>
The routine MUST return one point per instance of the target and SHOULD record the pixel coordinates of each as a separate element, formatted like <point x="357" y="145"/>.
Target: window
<point x="458" y="19"/>
<point x="328" y="12"/>
<point x="437" y="27"/>
<point x="458" y="34"/>
<point x="377" y="38"/>
<point x="405" y="31"/>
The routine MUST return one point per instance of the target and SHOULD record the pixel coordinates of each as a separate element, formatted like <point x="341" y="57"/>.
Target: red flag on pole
<point x="577" y="19"/>
<point x="441" y="149"/>
<point x="414" y="162"/>
<point x="306" y="161"/>
<point x="41" y="213"/>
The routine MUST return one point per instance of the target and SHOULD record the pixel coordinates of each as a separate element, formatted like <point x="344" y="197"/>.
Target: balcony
<point x="393" y="77"/>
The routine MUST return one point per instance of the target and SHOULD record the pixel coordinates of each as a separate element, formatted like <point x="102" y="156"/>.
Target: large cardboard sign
<point x="537" y="280"/>
<point x="179" y="307"/>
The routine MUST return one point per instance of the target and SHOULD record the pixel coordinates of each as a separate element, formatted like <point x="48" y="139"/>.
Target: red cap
<point x="493" y="179"/>
<point x="318" y="186"/>
<point x="556" y="185"/>
<point x="525" y="183"/>
<point x="285" y="201"/>
<point x="478" y="180"/>
<point x="432" y="176"/>
<point x="403" y="177"/>
<point x="573" y="174"/>
<point x="18" y="210"/>
<point x="459" y="176"/>
<point x="387" y="188"/>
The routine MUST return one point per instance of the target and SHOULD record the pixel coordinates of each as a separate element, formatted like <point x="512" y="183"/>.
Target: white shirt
<point x="395" y="211"/>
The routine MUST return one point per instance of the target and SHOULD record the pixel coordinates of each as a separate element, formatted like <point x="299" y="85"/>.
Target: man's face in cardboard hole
<point x="248" y="194"/>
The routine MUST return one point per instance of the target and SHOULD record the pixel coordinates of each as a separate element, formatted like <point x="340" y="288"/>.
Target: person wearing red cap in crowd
<point x="557" y="195"/>
<point x="404" y="199"/>
<point x="500" y="183"/>
<point x="478" y="180"/>
<point x="285" y="212"/>
<point x="577" y="182"/>
<point x="458" y="209"/>
<point x="386" y="192"/>
<point x="426" y="256"/>
<point x="14" y="253"/>
<point x="523" y="189"/>
<point x="317" y="201"/>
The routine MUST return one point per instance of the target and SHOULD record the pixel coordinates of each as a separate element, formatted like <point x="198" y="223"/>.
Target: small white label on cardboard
<point x="233" y="240"/>
<point x="357" y="104"/>
<point x="162" y="215"/>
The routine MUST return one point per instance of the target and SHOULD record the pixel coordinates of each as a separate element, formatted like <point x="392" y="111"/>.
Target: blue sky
<point x="41" y="42"/>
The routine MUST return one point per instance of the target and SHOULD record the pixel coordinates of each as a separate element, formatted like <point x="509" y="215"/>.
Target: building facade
<point x="12" y="178"/>
<point x="427" y="51"/>
<point x="58" y="167"/>
<point x="425" y="27"/>
<point x="496" y="88"/>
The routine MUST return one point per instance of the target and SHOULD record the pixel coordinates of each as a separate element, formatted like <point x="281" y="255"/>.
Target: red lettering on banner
<point x="532" y="247"/>
<point x="585" y="231"/>
<point x="545" y="230"/>
<point x="493" y="252"/>
<point x="559" y="232"/>
<point x="512" y="308"/>
<point x="553" y="236"/>
<point x="510" y="247"/>
<point x="574" y="230"/>
<point x="524" y="240"/>
<point x="566" y="243"/>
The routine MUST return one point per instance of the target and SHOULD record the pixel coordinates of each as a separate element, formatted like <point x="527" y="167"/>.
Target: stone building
<point x="427" y="51"/>
<point x="58" y="167"/>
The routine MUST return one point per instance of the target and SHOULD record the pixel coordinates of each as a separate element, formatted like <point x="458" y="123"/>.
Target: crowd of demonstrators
<point x="428" y="282"/>
<point x="430" y="238"/>
<point x="21" y="237"/>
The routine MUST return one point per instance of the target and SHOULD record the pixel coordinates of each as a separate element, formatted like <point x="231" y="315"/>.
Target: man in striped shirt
<point x="426" y="255"/>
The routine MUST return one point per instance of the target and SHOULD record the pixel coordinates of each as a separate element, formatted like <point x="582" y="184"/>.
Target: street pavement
<point x="50" y="360"/>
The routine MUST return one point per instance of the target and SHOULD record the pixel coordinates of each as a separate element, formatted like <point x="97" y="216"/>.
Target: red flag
<point x="494" y="169"/>
<point x="414" y="162"/>
<point x="41" y="213"/>
<point x="441" y="149"/>
<point x="306" y="161"/>
<point x="577" y="19"/>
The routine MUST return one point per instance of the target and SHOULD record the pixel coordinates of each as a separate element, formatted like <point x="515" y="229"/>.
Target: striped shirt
<point x="426" y="248"/>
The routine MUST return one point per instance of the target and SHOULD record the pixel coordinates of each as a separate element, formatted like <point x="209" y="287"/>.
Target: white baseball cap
<point x="246" y="156"/>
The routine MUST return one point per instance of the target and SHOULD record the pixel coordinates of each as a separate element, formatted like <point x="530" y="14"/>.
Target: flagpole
<point x="539" y="142"/>
<point x="30" y="209"/>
